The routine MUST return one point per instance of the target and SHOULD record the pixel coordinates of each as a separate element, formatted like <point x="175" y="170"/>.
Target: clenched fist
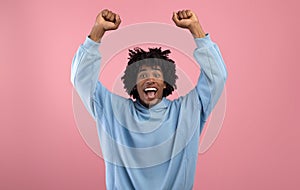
<point x="106" y="20"/>
<point x="187" y="19"/>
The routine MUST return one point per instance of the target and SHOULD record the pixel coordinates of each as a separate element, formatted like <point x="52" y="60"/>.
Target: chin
<point x="151" y="103"/>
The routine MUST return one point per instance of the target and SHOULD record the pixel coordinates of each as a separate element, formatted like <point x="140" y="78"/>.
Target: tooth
<point x="148" y="89"/>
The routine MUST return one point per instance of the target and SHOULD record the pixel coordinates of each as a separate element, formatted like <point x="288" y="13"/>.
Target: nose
<point x="149" y="81"/>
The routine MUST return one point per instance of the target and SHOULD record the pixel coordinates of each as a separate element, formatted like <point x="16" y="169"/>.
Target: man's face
<point x="150" y="85"/>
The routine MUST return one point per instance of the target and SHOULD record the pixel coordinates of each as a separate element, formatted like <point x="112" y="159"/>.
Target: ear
<point x="165" y="85"/>
<point x="134" y="93"/>
<point x="133" y="90"/>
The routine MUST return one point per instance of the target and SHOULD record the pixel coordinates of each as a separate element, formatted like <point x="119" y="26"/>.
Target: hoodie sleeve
<point x="212" y="76"/>
<point x="85" y="73"/>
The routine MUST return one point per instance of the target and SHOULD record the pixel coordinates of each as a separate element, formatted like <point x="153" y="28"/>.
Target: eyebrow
<point x="153" y="68"/>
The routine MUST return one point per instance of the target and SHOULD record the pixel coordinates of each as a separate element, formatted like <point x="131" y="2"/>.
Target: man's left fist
<point x="188" y="19"/>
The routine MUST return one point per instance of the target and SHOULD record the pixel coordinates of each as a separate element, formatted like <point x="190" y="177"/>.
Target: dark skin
<point x="107" y="20"/>
<point x="152" y="79"/>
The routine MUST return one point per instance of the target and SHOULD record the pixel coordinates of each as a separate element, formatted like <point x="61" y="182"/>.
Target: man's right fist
<point x="106" y="20"/>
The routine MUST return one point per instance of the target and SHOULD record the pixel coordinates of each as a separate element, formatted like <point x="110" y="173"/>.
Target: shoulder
<point x="190" y="100"/>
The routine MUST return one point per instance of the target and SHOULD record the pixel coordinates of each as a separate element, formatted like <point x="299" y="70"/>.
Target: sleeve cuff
<point x="203" y="42"/>
<point x="90" y="44"/>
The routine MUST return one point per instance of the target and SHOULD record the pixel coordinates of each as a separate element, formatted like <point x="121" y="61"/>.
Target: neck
<point x="150" y="104"/>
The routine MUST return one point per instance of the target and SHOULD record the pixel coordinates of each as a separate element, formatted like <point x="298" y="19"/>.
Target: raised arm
<point x="86" y="62"/>
<point x="213" y="71"/>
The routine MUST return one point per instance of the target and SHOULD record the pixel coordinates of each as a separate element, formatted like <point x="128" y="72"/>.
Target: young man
<point x="152" y="142"/>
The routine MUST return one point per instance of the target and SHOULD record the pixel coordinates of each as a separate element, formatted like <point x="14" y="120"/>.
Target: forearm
<point x="97" y="33"/>
<point x="213" y="73"/>
<point x="197" y="31"/>
<point x="85" y="71"/>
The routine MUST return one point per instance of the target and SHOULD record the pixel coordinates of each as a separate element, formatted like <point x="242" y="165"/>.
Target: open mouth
<point x="150" y="92"/>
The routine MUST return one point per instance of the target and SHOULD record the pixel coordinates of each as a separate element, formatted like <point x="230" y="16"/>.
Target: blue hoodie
<point x="149" y="148"/>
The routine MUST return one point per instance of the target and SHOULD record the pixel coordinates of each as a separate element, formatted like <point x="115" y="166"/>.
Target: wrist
<point x="197" y="30"/>
<point x="97" y="33"/>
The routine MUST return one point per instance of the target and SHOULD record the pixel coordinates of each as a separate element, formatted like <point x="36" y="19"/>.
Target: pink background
<point x="258" y="147"/>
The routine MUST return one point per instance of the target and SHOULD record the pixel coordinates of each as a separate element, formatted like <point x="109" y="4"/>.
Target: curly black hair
<point x="153" y="57"/>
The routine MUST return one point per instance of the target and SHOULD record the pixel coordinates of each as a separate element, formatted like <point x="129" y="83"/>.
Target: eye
<point x="156" y="75"/>
<point x="143" y="75"/>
